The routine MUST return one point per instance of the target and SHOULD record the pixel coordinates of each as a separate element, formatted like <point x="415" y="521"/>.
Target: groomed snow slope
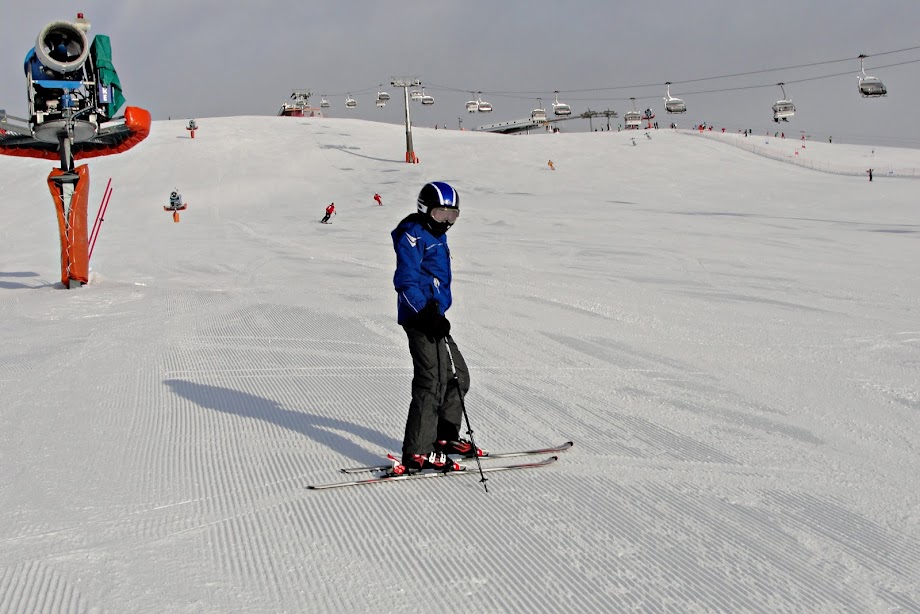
<point x="732" y="342"/>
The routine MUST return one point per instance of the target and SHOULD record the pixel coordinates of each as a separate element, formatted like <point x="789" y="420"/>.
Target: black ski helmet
<point x="437" y="194"/>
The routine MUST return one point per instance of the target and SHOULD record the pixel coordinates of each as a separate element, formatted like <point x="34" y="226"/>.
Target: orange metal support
<point x="72" y="225"/>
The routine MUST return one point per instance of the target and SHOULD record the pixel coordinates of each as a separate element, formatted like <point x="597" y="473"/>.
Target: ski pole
<point x="466" y="416"/>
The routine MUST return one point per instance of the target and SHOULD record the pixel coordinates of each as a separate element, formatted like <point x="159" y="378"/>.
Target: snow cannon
<point x="175" y="204"/>
<point x="62" y="48"/>
<point x="192" y="127"/>
<point x="73" y="95"/>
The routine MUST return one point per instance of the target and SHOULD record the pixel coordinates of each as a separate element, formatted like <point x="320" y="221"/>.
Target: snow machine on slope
<point x="73" y="95"/>
<point x="175" y="205"/>
<point x="175" y="202"/>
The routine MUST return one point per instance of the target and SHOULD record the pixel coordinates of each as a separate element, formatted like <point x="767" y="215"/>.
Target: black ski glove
<point x="430" y="321"/>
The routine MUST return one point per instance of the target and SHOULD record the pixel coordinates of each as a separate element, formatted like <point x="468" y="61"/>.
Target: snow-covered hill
<point x="732" y="342"/>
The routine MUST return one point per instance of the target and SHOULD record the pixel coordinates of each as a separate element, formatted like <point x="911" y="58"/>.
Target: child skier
<point x="422" y="282"/>
<point x="378" y="199"/>
<point x="330" y="211"/>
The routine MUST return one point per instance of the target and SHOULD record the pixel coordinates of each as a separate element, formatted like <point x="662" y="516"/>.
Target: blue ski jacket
<point x="422" y="268"/>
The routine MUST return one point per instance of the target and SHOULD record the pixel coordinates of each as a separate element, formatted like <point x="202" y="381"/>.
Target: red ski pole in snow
<point x="100" y="217"/>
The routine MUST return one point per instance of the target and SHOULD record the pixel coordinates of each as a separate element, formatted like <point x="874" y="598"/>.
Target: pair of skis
<point x="437" y="474"/>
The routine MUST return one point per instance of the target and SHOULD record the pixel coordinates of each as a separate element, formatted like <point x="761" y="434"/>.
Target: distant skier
<point x="378" y="199"/>
<point x="330" y="211"/>
<point x="422" y="282"/>
<point x="870" y="174"/>
<point x="552" y="166"/>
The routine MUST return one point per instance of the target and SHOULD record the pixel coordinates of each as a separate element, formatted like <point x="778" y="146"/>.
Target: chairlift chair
<point x="426" y="99"/>
<point x="672" y="104"/>
<point x="350" y="103"/>
<point x="382" y="98"/>
<point x="324" y="103"/>
<point x="416" y="95"/>
<point x="869" y="87"/>
<point x="538" y="114"/>
<point x="560" y="108"/>
<point x="472" y="105"/>
<point x="783" y="109"/>
<point x="483" y="106"/>
<point x="632" y="119"/>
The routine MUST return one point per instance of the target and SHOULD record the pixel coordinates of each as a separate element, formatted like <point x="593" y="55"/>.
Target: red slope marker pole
<point x="100" y="217"/>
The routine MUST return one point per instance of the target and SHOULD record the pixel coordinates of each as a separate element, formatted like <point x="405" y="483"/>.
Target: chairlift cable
<point x="751" y="87"/>
<point x="711" y="91"/>
<point x="530" y="94"/>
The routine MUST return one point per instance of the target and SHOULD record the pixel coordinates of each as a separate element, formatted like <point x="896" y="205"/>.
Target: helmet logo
<point x="437" y="194"/>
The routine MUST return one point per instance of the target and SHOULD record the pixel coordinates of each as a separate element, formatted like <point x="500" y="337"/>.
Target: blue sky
<point x="212" y="58"/>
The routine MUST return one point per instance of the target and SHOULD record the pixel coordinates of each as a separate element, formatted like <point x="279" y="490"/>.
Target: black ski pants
<point x="435" y="411"/>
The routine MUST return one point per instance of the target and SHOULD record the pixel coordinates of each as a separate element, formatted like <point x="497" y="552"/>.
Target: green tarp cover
<point x="101" y="52"/>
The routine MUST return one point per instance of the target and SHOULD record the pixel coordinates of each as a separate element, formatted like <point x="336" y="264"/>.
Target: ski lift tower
<point x="406" y="83"/>
<point x="608" y="114"/>
<point x="590" y="115"/>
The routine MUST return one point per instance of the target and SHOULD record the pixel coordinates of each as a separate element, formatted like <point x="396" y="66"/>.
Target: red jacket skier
<point x="330" y="211"/>
<point x="378" y="199"/>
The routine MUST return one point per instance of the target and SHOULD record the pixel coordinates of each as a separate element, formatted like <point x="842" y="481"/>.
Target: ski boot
<point x="414" y="463"/>
<point x="460" y="447"/>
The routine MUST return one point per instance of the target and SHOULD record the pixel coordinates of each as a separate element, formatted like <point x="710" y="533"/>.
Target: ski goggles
<point x="444" y="215"/>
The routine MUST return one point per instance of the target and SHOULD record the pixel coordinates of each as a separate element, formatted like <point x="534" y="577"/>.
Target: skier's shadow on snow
<point x="321" y="429"/>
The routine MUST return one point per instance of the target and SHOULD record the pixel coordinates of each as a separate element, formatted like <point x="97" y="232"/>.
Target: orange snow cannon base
<point x="72" y="225"/>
